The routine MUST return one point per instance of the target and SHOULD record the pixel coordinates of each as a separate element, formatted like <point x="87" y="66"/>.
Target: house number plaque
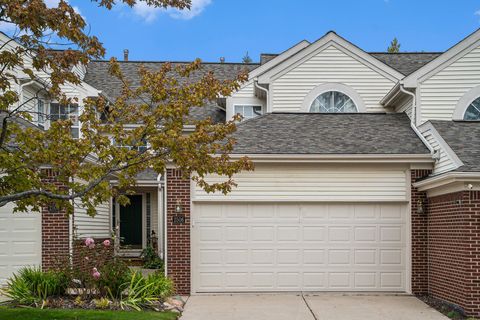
<point x="178" y="219"/>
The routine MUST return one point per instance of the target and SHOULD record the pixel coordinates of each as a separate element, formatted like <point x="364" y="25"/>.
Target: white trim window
<point x="248" y="111"/>
<point x="141" y="146"/>
<point x="65" y="112"/>
<point x="333" y="102"/>
<point x="41" y="113"/>
<point x="333" y="97"/>
<point x="473" y="111"/>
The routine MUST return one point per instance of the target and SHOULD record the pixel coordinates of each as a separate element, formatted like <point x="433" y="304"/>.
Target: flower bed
<point x="97" y="280"/>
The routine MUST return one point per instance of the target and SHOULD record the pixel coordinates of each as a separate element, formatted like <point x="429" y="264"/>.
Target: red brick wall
<point x="55" y="233"/>
<point x="178" y="236"/>
<point x="419" y="236"/>
<point x="454" y="249"/>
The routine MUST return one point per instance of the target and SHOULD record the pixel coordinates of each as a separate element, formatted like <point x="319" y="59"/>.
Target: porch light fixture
<point x="420" y="207"/>
<point x="178" y="207"/>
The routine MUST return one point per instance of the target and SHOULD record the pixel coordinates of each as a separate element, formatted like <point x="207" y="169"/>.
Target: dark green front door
<point x="131" y="223"/>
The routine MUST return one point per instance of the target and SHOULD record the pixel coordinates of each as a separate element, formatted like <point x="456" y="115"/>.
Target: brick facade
<point x="178" y="235"/>
<point x="55" y="232"/>
<point x="454" y="249"/>
<point x="419" y="236"/>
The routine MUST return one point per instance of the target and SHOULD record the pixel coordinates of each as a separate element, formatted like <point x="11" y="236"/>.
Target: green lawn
<point x="77" y="314"/>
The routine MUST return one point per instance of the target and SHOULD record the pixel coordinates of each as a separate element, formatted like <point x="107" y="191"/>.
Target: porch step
<point x="132" y="261"/>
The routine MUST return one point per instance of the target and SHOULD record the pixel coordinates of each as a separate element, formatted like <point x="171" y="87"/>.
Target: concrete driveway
<point x="325" y="306"/>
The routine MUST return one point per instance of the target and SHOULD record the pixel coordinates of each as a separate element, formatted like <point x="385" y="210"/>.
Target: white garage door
<point x="20" y="241"/>
<point x="298" y="247"/>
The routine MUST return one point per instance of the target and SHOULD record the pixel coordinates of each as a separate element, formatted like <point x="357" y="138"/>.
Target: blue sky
<point x="229" y="28"/>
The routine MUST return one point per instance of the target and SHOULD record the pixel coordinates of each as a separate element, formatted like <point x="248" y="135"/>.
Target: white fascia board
<point x="339" y="158"/>
<point x="141" y="183"/>
<point x="330" y="38"/>
<point x="446" y="178"/>
<point x="441" y="142"/>
<point x="442" y="61"/>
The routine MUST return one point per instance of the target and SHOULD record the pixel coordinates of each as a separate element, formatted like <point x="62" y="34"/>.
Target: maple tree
<point x="160" y="107"/>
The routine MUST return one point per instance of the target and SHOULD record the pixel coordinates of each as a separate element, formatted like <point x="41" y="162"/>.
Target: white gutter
<point x="368" y="158"/>
<point x="440" y="180"/>
<point x="413" y="122"/>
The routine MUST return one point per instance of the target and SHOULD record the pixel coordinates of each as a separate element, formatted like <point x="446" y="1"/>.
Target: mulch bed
<point x="451" y="311"/>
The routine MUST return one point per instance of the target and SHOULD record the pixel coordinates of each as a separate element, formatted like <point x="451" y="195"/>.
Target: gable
<point x="331" y="64"/>
<point x="441" y="92"/>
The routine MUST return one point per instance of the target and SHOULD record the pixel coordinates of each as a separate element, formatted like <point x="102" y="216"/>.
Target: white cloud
<point x="477" y="13"/>
<point x="149" y="13"/>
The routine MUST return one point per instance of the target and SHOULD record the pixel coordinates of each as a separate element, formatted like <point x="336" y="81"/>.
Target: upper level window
<point x="473" y="111"/>
<point x="41" y="112"/>
<point x="64" y="112"/>
<point x="333" y="102"/>
<point x="248" y="111"/>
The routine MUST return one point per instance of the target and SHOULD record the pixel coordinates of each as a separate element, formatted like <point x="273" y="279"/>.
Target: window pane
<point x="248" y="112"/>
<point x="54" y="111"/>
<point x="41" y="112"/>
<point x="239" y="109"/>
<point x="333" y="102"/>
<point x="473" y="111"/>
<point x="75" y="132"/>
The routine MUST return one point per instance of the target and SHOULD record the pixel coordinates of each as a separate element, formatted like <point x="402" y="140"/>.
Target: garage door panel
<point x="361" y="247"/>
<point x="20" y="241"/>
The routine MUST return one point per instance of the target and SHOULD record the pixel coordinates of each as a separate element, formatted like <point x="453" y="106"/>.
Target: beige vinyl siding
<point x="406" y="106"/>
<point x="329" y="66"/>
<point x="441" y="92"/>
<point x="247" y="91"/>
<point x="445" y="163"/>
<point x="30" y="101"/>
<point x="311" y="182"/>
<point x="97" y="226"/>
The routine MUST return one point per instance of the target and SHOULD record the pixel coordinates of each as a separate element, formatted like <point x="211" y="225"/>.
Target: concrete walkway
<point x="325" y="306"/>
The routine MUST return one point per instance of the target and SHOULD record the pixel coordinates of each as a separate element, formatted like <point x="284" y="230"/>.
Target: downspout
<point x="255" y="83"/>
<point x="160" y="209"/>
<point x="414" y="118"/>
<point x="165" y="251"/>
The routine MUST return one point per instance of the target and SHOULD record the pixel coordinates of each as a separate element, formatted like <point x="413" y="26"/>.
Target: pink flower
<point x="87" y="258"/>
<point x="95" y="274"/>
<point x="90" y="243"/>
<point x="106" y="243"/>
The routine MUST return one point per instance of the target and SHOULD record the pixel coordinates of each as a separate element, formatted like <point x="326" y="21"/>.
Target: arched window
<point x="333" y="102"/>
<point x="473" y="110"/>
<point x="333" y="97"/>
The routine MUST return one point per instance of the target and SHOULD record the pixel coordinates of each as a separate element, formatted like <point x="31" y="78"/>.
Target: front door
<point x="131" y="223"/>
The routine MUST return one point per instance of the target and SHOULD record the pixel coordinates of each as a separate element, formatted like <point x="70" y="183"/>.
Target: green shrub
<point x="162" y="287"/>
<point x="31" y="285"/>
<point x="138" y="293"/>
<point x="102" y="303"/>
<point x="151" y="260"/>
<point x="115" y="275"/>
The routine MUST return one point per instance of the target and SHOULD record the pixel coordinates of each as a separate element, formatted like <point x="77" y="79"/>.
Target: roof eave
<point x="339" y="158"/>
<point x="446" y="178"/>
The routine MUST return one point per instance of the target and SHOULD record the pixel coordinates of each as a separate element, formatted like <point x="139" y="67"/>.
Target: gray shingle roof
<point x="464" y="139"/>
<point x="323" y="133"/>
<point x="97" y="76"/>
<point x="406" y="62"/>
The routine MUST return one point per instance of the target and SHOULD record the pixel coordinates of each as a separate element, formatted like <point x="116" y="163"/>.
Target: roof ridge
<point x="406" y="52"/>
<point x="178" y="61"/>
